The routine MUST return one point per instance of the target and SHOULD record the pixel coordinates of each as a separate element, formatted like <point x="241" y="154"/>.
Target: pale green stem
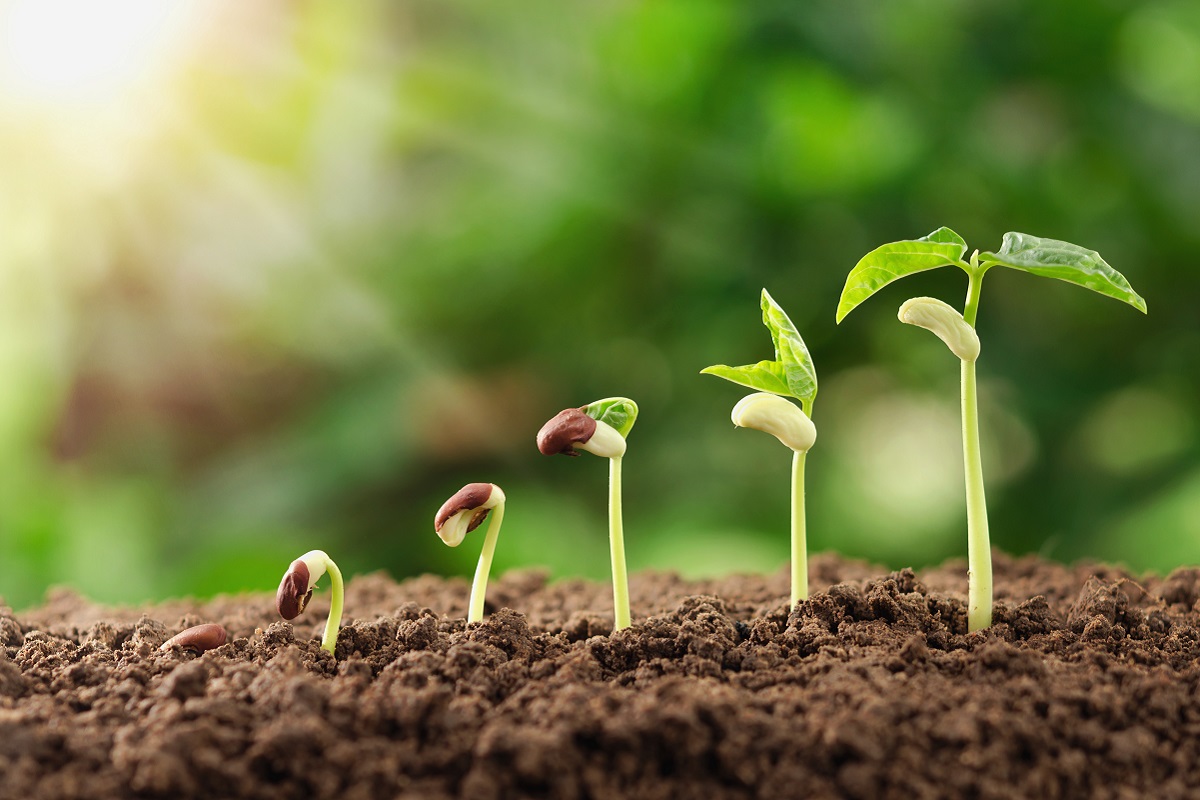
<point x="971" y="308"/>
<point x="979" y="551"/>
<point x="616" y="541"/>
<point x="799" y="543"/>
<point x="338" y="592"/>
<point x="479" y="585"/>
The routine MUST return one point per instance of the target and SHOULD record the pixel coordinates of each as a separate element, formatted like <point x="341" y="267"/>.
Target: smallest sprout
<point x="464" y="512"/>
<point x="296" y="588"/>
<point x="944" y="321"/>
<point x="198" y="638"/>
<point x="781" y="418"/>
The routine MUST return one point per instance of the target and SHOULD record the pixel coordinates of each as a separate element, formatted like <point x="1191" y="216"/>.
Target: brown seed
<point x="198" y="638"/>
<point x="567" y="428"/>
<point x="473" y="495"/>
<point x="293" y="594"/>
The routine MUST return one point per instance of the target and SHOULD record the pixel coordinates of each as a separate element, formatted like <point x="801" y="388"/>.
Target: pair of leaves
<point x="1049" y="258"/>
<point x="617" y="412"/>
<point x="791" y="374"/>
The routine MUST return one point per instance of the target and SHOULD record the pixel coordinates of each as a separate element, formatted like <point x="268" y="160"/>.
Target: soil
<point x="1086" y="686"/>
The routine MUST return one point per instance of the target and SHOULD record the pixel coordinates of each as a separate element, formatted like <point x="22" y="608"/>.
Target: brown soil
<point x="1086" y="686"/>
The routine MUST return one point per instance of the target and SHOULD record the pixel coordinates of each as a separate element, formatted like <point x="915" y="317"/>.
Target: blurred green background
<point x="285" y="275"/>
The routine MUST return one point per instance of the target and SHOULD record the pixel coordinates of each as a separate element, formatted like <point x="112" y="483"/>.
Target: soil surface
<point x="1086" y="686"/>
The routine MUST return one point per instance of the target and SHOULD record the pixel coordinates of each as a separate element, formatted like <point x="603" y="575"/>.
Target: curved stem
<point x="329" y="640"/>
<point x="479" y="585"/>
<point x="799" y="542"/>
<point x="979" y="553"/>
<point x="616" y="541"/>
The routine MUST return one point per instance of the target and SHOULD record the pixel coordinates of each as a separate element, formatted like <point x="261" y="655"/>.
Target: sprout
<point x="599" y="428"/>
<point x="791" y="374"/>
<point x="460" y="515"/>
<point x="296" y="588"/>
<point x="1048" y="258"/>
<point x="198" y="638"/>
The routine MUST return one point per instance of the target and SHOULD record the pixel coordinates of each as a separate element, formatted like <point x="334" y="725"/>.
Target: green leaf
<point x="765" y="376"/>
<point x="888" y="262"/>
<point x="791" y="374"/>
<point x="1068" y="262"/>
<point x="944" y="235"/>
<point x="790" y="352"/>
<point x="617" y="412"/>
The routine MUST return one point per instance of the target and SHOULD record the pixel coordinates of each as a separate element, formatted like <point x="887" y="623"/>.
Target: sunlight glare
<point x="68" y="52"/>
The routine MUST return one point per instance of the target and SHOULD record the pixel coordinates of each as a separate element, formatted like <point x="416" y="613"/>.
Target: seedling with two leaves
<point x="1048" y="258"/>
<point x="790" y="374"/>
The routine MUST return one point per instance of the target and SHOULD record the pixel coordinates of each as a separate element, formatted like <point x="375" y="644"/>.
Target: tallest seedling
<point x="1048" y="258"/>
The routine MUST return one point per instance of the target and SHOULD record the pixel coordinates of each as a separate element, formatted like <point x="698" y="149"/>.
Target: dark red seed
<point x="473" y="495"/>
<point x="568" y="427"/>
<point x="293" y="592"/>
<point x="198" y="639"/>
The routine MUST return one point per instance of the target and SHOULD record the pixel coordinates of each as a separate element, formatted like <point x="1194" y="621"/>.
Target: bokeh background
<point x="284" y="275"/>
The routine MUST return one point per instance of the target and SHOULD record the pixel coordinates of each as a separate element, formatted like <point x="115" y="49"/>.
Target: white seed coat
<point x="777" y="416"/>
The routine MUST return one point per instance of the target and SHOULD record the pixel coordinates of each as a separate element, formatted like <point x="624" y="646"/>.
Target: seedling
<point x="791" y="374"/>
<point x="198" y="638"/>
<point x="600" y="428"/>
<point x="461" y="514"/>
<point x="1048" y="258"/>
<point x="296" y="588"/>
